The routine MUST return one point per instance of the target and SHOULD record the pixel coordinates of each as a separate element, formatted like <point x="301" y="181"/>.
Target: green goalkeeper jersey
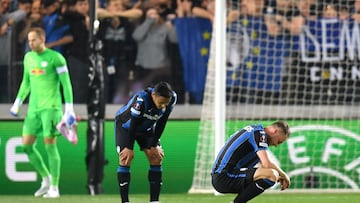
<point x="43" y="74"/>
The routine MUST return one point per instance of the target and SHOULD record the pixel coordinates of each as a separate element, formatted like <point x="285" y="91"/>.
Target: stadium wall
<point x="179" y="142"/>
<point x="326" y="139"/>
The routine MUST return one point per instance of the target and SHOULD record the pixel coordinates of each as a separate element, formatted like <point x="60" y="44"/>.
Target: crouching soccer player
<point x="143" y="120"/>
<point x="234" y="168"/>
<point x="44" y="71"/>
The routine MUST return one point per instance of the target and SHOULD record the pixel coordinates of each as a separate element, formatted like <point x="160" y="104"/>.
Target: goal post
<point x="213" y="119"/>
<point x="309" y="77"/>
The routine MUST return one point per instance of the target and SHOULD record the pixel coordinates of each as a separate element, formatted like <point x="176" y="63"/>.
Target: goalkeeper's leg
<point x="54" y="166"/>
<point x="38" y="163"/>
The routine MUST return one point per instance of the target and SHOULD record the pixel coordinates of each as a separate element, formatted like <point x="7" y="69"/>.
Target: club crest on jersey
<point x="37" y="71"/>
<point x="44" y="63"/>
<point x="137" y="106"/>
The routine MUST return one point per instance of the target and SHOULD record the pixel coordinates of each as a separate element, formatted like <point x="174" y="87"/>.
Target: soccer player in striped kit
<point x="143" y="120"/>
<point x="235" y="169"/>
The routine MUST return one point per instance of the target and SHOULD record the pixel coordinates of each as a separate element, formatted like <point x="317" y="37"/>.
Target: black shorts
<point x="144" y="140"/>
<point x="234" y="181"/>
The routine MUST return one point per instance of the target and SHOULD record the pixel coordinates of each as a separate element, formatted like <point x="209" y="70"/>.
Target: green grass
<point x="193" y="198"/>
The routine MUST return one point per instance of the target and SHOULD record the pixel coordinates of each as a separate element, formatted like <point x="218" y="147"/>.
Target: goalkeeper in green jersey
<point x="44" y="71"/>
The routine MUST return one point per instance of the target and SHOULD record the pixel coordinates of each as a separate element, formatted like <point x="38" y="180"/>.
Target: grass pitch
<point x="193" y="198"/>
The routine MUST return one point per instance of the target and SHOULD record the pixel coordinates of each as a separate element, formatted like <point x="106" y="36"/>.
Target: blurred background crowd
<point x="140" y="37"/>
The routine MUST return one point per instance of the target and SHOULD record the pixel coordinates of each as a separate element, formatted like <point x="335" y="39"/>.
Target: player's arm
<point x="133" y="13"/>
<point x="64" y="77"/>
<point x="161" y="123"/>
<point x="160" y="126"/>
<point x="23" y="92"/>
<point x="136" y="112"/>
<point x="266" y="162"/>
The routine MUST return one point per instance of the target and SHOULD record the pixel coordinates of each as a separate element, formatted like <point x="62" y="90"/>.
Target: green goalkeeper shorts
<point x="42" y="123"/>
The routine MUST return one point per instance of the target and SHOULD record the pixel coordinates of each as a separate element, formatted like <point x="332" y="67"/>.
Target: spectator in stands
<point x="183" y="8"/>
<point x="119" y="49"/>
<point x="57" y="31"/>
<point x="132" y="4"/>
<point x="307" y="9"/>
<point x="34" y="20"/>
<point x="356" y="13"/>
<point x="20" y="17"/>
<point x="203" y="9"/>
<point x="329" y="10"/>
<point x="283" y="18"/>
<point x="12" y="19"/>
<point x="77" y="51"/>
<point x="4" y="7"/>
<point x="153" y="36"/>
<point x="10" y="24"/>
<point x="131" y="13"/>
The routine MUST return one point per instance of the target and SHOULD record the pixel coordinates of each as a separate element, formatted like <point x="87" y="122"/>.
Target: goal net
<point x="296" y="61"/>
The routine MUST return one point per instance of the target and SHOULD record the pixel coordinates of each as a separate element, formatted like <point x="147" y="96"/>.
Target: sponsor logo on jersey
<point x="37" y="71"/>
<point x="152" y="117"/>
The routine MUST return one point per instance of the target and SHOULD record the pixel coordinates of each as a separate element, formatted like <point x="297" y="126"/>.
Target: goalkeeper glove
<point x="15" y="109"/>
<point x="69" y="115"/>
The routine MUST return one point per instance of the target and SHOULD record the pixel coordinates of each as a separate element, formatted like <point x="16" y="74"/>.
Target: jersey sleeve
<point x="136" y="109"/>
<point x="64" y="76"/>
<point x="161" y="123"/>
<point x="261" y="140"/>
<point x="24" y="89"/>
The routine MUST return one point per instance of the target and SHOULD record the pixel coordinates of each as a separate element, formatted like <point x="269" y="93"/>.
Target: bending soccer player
<point x="143" y="120"/>
<point x="44" y="71"/>
<point x="234" y="169"/>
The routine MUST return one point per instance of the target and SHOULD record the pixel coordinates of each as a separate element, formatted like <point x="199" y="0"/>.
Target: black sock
<point x="253" y="189"/>
<point x="123" y="174"/>
<point x="155" y="180"/>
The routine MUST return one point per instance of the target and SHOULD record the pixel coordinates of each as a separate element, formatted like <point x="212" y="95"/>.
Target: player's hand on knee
<point x="157" y="152"/>
<point x="126" y="155"/>
<point x="160" y="151"/>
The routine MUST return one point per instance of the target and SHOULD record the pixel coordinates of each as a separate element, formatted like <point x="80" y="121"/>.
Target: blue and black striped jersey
<point x="141" y="106"/>
<point x="240" y="149"/>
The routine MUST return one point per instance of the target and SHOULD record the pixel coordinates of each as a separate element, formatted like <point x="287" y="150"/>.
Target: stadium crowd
<point x="140" y="40"/>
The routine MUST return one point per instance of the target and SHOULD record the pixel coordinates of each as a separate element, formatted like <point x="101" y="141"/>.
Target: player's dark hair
<point x="284" y="126"/>
<point x="163" y="89"/>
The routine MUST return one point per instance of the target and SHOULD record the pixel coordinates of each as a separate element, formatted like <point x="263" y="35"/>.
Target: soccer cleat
<point x="53" y="192"/>
<point x="70" y="133"/>
<point x="44" y="188"/>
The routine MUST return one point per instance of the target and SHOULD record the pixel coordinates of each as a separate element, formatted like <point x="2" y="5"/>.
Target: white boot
<point x="45" y="185"/>
<point x="53" y="192"/>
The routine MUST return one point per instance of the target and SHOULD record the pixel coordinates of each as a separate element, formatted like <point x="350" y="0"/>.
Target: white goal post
<point x="309" y="77"/>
